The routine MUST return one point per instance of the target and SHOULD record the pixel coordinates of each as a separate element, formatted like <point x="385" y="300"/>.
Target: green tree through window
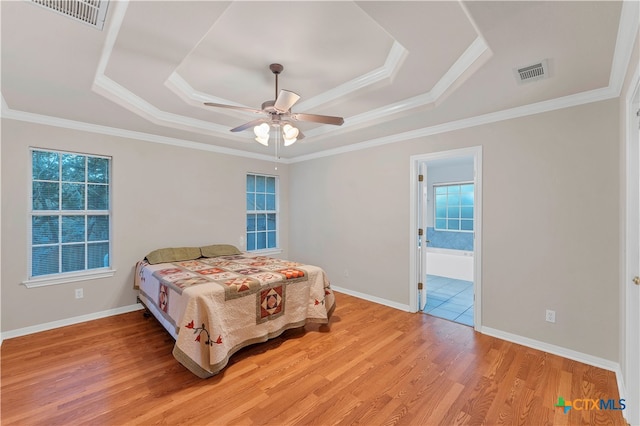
<point x="70" y="212"/>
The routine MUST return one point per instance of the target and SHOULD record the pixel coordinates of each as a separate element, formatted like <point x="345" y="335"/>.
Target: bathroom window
<point x="454" y="206"/>
<point x="262" y="212"/>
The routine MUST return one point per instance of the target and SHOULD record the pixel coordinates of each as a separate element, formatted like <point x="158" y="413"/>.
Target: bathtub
<point x="449" y="263"/>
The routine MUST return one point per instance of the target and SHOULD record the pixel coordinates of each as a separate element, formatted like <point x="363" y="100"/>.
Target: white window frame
<point x="435" y="206"/>
<point x="275" y="249"/>
<point x="66" y="277"/>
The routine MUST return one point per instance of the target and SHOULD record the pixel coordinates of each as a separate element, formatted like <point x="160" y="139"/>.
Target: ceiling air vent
<point x="91" y="12"/>
<point x="532" y="72"/>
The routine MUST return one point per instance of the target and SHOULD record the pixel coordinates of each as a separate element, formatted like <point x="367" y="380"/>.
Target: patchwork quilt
<point x="216" y="306"/>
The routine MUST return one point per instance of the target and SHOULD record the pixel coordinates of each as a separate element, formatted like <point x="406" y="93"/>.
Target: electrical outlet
<point x="79" y="293"/>
<point x="550" y="316"/>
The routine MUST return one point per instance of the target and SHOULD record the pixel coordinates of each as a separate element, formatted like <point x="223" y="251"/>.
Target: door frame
<point x="630" y="293"/>
<point x="415" y="255"/>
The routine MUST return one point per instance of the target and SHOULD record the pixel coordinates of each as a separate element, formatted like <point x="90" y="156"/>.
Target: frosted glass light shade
<point x="290" y="134"/>
<point x="262" y="133"/>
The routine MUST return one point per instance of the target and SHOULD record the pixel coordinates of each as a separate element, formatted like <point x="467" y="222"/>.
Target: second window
<point x="262" y="212"/>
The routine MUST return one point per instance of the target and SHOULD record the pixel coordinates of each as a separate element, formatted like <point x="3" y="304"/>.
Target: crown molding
<point x="531" y="109"/>
<point x="117" y="17"/>
<point x="394" y="59"/>
<point x="472" y="54"/>
<point x="396" y="55"/>
<point x="537" y="108"/>
<point x="183" y="89"/>
<point x="387" y="71"/>
<point x="8" y="113"/>
<point x="110" y="89"/>
<point x="113" y="91"/>
<point x="627" y="33"/>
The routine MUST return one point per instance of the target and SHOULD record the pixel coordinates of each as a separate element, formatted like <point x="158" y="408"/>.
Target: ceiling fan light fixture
<point x="264" y="141"/>
<point x="290" y="134"/>
<point x="289" y="142"/>
<point x="262" y="133"/>
<point x="278" y="114"/>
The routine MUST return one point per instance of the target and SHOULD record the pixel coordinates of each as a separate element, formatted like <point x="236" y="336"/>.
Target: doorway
<point x="446" y="218"/>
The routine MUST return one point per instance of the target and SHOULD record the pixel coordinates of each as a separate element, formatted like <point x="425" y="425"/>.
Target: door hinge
<point x="420" y="231"/>
<point x="420" y="286"/>
<point x="420" y="178"/>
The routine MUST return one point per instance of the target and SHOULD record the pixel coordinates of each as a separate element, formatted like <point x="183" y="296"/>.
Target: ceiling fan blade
<point x="325" y="119"/>
<point x="249" y="125"/>
<point x="285" y="101"/>
<point x="238" y="108"/>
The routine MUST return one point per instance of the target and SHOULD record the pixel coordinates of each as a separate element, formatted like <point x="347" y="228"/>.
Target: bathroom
<point x="450" y="239"/>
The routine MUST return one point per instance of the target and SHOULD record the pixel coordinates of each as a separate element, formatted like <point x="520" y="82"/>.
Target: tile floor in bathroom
<point x="450" y="299"/>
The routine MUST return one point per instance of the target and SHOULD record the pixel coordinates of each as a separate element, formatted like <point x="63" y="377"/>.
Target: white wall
<point x="162" y="196"/>
<point x="550" y="222"/>
<point x="551" y="203"/>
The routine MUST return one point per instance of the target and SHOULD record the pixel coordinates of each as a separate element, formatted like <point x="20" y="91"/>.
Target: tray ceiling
<point x="389" y="68"/>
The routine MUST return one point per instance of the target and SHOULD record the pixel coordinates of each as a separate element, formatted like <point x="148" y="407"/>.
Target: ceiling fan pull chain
<point x="277" y="143"/>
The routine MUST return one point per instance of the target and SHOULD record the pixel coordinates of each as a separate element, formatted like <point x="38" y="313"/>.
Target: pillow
<point x="173" y="254"/>
<point x="215" y="250"/>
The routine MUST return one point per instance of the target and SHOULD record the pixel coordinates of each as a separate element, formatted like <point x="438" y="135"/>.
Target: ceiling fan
<point x="277" y="113"/>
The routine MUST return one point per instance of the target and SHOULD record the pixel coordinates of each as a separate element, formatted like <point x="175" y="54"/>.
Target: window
<point x="70" y="213"/>
<point x="454" y="207"/>
<point x="262" y="212"/>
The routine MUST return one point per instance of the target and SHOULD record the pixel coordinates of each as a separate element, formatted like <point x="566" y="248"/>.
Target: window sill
<point x="266" y="252"/>
<point x="69" y="278"/>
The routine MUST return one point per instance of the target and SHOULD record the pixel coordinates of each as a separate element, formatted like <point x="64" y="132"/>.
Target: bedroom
<point x="343" y="206"/>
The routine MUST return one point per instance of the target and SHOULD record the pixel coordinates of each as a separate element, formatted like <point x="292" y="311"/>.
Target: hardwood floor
<point x="372" y="365"/>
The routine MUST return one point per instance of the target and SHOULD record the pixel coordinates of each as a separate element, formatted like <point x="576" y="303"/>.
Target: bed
<point x="215" y="300"/>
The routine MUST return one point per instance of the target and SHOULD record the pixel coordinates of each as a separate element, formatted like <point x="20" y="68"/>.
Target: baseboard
<point x="565" y="353"/>
<point x="555" y="350"/>
<point x="373" y="299"/>
<point x="69" y="321"/>
<point x="524" y="341"/>
<point x="503" y="335"/>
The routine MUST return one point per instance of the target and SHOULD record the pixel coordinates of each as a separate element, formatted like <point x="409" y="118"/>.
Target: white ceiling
<point x="393" y="69"/>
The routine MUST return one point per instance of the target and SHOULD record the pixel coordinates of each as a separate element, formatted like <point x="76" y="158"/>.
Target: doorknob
<point x="636" y="280"/>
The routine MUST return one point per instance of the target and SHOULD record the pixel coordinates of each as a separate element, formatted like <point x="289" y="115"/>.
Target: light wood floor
<point x="372" y="365"/>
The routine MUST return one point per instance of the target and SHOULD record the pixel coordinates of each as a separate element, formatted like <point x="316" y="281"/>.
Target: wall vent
<point x="532" y="72"/>
<point x="91" y="12"/>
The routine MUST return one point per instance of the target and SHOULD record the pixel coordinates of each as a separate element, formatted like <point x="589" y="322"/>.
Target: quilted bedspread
<point x="222" y="304"/>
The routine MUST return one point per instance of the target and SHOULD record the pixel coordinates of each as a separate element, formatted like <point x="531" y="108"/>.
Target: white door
<point x="631" y="292"/>
<point x="422" y="237"/>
